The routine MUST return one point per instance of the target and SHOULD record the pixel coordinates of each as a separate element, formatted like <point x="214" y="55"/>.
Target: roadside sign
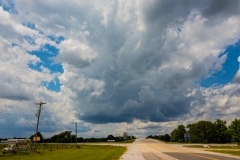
<point x="37" y="139"/>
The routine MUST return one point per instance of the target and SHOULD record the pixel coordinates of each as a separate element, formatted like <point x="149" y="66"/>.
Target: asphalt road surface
<point x="150" y="149"/>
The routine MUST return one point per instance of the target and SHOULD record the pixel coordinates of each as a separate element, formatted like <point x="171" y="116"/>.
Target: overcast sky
<point x="115" y="66"/>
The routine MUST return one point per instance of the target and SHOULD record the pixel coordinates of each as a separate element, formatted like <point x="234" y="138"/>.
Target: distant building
<point x="13" y="141"/>
<point x="111" y="140"/>
<point x="125" y="135"/>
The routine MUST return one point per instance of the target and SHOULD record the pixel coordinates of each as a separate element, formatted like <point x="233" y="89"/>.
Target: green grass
<point x="194" y="146"/>
<point x="226" y="149"/>
<point x="232" y="152"/>
<point x="129" y="141"/>
<point x="214" y="146"/>
<point x="85" y="152"/>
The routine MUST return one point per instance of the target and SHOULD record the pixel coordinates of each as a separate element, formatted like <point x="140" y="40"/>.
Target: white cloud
<point x="76" y="53"/>
<point x="128" y="65"/>
<point x="237" y="77"/>
<point x="220" y="102"/>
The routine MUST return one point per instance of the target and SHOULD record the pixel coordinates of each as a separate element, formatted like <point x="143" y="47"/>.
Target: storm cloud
<point x="122" y="64"/>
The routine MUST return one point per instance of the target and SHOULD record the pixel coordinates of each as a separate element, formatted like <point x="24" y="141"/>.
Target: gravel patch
<point x="132" y="153"/>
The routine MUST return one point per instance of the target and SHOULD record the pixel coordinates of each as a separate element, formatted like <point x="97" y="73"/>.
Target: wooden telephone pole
<point x="38" y="116"/>
<point x="76" y="132"/>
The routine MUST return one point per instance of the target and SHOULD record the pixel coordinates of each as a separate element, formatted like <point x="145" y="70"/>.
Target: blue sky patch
<point x="14" y="44"/>
<point x="9" y="6"/>
<point x="29" y="39"/>
<point x="56" y="39"/>
<point x="53" y="85"/>
<point x="47" y="54"/>
<point x="30" y="25"/>
<point x="36" y="66"/>
<point x="229" y="68"/>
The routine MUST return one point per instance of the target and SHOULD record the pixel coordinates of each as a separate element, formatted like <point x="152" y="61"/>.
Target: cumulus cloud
<point x="76" y="53"/>
<point x="127" y="65"/>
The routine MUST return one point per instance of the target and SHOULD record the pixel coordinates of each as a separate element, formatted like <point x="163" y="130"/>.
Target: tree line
<point x="204" y="132"/>
<point x="67" y="137"/>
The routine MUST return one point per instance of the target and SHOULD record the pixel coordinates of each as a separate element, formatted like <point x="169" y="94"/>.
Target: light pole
<point x="38" y="116"/>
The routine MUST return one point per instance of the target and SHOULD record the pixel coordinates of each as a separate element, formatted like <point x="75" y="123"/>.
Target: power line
<point x="14" y="114"/>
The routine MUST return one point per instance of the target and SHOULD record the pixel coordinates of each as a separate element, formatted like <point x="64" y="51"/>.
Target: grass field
<point x="227" y="151"/>
<point x="225" y="148"/>
<point x="85" y="152"/>
<point x="219" y="146"/>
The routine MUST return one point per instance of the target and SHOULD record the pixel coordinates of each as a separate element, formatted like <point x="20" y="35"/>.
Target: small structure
<point x="111" y="140"/>
<point x="125" y="135"/>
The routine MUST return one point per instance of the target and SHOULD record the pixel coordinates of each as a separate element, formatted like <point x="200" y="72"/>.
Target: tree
<point x="201" y="132"/>
<point x="220" y="134"/>
<point x="64" y="137"/>
<point x="177" y="135"/>
<point x="150" y="136"/>
<point x="54" y="138"/>
<point x="110" y="137"/>
<point x="165" y="137"/>
<point x="234" y="130"/>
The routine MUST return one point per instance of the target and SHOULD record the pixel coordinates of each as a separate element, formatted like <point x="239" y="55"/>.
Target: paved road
<point x="148" y="149"/>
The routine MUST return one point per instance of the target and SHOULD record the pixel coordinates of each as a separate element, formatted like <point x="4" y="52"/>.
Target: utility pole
<point x="76" y="132"/>
<point x="38" y="116"/>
